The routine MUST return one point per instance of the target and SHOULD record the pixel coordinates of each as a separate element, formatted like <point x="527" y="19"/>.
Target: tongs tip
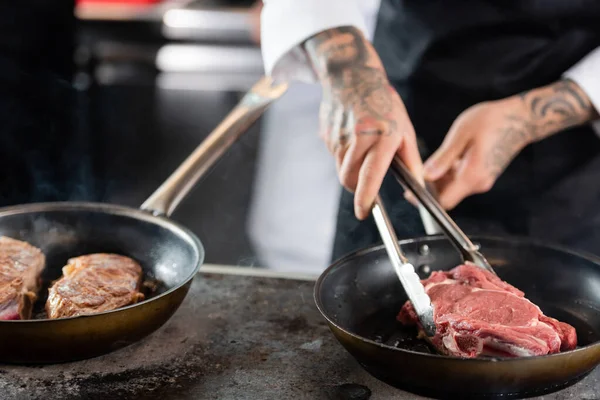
<point x="428" y="324"/>
<point x="404" y="269"/>
<point x="478" y="259"/>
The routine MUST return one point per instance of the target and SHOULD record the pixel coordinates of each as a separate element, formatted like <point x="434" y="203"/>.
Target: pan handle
<point x="168" y="196"/>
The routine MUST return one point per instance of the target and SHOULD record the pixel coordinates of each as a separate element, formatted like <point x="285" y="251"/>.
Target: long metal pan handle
<point x="404" y="269"/>
<point x="168" y="196"/>
<point x="468" y="250"/>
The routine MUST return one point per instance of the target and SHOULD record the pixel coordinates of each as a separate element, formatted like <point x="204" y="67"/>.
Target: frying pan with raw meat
<point x="169" y="253"/>
<point x="360" y="297"/>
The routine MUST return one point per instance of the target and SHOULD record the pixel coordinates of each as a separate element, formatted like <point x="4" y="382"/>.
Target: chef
<point x="503" y="95"/>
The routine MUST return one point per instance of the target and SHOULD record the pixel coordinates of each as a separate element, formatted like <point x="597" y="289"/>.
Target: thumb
<point x="453" y="146"/>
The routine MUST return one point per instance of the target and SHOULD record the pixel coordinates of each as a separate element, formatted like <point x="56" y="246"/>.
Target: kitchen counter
<point x="242" y="333"/>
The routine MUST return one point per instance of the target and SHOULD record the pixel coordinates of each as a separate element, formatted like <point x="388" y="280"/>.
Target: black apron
<point x="445" y="56"/>
<point x="45" y="153"/>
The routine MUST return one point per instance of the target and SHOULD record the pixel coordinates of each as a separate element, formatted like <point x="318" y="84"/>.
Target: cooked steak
<point x="95" y="283"/>
<point x="477" y="314"/>
<point x="20" y="267"/>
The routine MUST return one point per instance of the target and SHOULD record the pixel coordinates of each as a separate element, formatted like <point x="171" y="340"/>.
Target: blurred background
<point x="160" y="75"/>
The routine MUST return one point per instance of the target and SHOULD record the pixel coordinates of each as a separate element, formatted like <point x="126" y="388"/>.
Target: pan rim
<point x="506" y="239"/>
<point x="114" y="209"/>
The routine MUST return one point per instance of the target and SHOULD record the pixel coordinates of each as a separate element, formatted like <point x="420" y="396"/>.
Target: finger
<point x="452" y="148"/>
<point x="372" y="171"/>
<point x="409" y="153"/>
<point x="355" y="152"/>
<point x="351" y="163"/>
<point x="410" y="197"/>
<point x="458" y="184"/>
<point x="439" y="185"/>
<point x="333" y="133"/>
<point x="346" y="147"/>
<point x="340" y="156"/>
<point x="327" y="130"/>
<point x="344" y="139"/>
<point x="453" y="194"/>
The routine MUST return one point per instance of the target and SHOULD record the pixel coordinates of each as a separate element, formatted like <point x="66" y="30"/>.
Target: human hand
<point x="485" y="138"/>
<point x="363" y="121"/>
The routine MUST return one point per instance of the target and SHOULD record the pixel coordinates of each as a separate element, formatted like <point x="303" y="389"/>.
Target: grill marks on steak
<point x="477" y="314"/>
<point x="95" y="283"/>
<point x="21" y="265"/>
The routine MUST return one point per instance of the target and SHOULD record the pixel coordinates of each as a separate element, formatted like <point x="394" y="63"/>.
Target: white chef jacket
<point x="285" y="24"/>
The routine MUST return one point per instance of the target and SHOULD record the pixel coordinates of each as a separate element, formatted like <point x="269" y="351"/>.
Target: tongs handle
<point x="404" y="269"/>
<point x="467" y="249"/>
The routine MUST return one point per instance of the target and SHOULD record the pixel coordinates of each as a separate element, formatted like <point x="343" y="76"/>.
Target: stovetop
<point x="234" y="337"/>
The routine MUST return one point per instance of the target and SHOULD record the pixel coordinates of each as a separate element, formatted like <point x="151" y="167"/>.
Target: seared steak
<point x="20" y="267"/>
<point x="477" y="314"/>
<point x="95" y="283"/>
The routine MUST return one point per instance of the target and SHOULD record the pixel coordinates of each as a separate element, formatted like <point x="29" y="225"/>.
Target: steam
<point x="45" y="141"/>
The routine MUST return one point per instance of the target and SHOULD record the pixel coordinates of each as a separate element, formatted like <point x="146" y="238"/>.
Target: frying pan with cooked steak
<point x="20" y="267"/>
<point x="167" y="252"/>
<point x="95" y="283"/>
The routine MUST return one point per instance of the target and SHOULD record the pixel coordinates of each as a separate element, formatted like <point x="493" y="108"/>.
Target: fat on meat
<point x="477" y="314"/>
<point x="21" y="265"/>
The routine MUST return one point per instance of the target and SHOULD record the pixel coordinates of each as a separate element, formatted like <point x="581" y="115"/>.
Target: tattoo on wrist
<point x="556" y="107"/>
<point x="335" y="50"/>
<point x="353" y="79"/>
<point x="549" y="110"/>
<point x="512" y="138"/>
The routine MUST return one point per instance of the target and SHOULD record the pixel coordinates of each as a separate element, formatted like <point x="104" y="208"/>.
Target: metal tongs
<point x="404" y="269"/>
<point x="468" y="250"/>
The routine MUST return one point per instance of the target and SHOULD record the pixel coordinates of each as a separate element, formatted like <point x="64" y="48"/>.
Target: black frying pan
<point x="169" y="253"/>
<point x="360" y="296"/>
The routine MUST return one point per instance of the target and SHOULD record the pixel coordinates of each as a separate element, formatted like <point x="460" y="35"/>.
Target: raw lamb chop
<point x="20" y="267"/>
<point x="477" y="314"/>
<point x="95" y="283"/>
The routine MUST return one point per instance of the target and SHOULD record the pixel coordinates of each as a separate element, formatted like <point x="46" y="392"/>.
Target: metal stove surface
<point x="235" y="337"/>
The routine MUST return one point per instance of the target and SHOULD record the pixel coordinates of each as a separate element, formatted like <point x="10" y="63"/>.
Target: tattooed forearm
<point x="556" y="107"/>
<point x="353" y="80"/>
<point x="547" y="110"/>
<point x="512" y="137"/>
<point x="335" y="50"/>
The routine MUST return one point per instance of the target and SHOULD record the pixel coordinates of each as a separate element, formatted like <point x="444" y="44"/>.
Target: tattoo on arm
<point x="550" y="109"/>
<point x="557" y="107"/>
<point x="353" y="79"/>
<point x="510" y="141"/>
<point x="335" y="50"/>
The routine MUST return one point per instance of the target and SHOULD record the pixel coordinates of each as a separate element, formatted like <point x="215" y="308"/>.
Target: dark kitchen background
<point x="160" y="75"/>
